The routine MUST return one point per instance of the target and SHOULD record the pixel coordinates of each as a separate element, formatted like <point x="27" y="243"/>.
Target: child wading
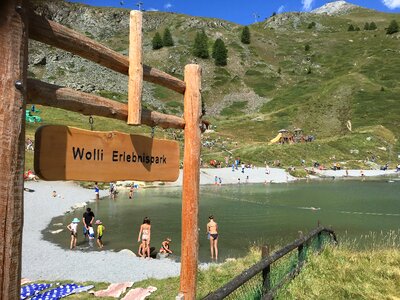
<point x="100" y="231"/>
<point x="145" y="233"/>
<point x="73" y="228"/>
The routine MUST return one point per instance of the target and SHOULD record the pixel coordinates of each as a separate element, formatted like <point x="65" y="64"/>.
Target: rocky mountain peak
<point x="335" y="8"/>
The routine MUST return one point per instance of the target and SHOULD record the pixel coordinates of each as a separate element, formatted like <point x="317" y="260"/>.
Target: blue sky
<point x="238" y="11"/>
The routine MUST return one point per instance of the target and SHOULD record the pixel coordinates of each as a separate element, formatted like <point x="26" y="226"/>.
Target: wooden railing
<point x="264" y="266"/>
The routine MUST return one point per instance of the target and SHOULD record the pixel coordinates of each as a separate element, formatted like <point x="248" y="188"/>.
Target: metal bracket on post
<point x="152" y="132"/>
<point x="91" y="121"/>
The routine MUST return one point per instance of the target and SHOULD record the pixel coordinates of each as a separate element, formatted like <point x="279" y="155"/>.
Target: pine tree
<point x="373" y="26"/>
<point x="220" y="53"/>
<point x="157" y="41"/>
<point x="167" y="38"/>
<point x="357" y="28"/>
<point x="307" y="47"/>
<point x="200" y="47"/>
<point x="366" y="26"/>
<point x="351" y="28"/>
<point x="393" y="27"/>
<point x="245" y="38"/>
<point x="311" y="25"/>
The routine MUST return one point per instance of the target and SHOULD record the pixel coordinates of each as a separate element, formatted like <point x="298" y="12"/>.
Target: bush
<point x="167" y="38"/>
<point x="307" y="47"/>
<point x="393" y="27"/>
<point x="311" y="25"/>
<point x="373" y="26"/>
<point x="245" y="38"/>
<point x="366" y="26"/>
<point x="157" y="41"/>
<point x="351" y="28"/>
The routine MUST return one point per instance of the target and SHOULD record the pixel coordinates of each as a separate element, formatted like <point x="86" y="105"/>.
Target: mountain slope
<point x="272" y="83"/>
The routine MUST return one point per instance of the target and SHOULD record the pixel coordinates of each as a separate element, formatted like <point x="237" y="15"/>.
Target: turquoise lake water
<point x="246" y="214"/>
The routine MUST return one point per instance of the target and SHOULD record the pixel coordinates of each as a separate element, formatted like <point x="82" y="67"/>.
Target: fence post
<point x="301" y="251"/>
<point x="191" y="181"/>
<point x="267" y="271"/>
<point x="13" y="76"/>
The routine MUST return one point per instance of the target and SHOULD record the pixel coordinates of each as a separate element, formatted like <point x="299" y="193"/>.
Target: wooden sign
<point x="67" y="153"/>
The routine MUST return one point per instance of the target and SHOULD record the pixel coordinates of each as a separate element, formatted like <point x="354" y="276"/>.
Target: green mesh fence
<point x="253" y="289"/>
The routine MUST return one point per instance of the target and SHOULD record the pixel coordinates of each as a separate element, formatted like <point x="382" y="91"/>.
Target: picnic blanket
<point x="114" y="290"/>
<point x="139" y="293"/>
<point x="32" y="289"/>
<point x="62" y="291"/>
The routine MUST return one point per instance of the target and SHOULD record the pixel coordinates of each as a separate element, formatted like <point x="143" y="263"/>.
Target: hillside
<point x="272" y="83"/>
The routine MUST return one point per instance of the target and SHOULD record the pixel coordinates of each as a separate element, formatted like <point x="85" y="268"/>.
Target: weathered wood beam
<point x="191" y="182"/>
<point x="87" y="104"/>
<point x="135" y="82"/>
<point x="59" y="36"/>
<point x="13" y="72"/>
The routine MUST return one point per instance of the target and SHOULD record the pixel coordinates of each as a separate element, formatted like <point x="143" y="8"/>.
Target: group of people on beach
<point x="88" y="231"/>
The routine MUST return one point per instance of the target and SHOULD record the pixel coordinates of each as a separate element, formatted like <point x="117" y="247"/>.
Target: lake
<point x="246" y="214"/>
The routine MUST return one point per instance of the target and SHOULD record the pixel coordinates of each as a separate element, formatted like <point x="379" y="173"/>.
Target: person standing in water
<point x="145" y="234"/>
<point x="212" y="231"/>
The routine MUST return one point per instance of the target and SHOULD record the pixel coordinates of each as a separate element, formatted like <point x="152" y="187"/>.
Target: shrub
<point x="307" y="47"/>
<point x="393" y="27"/>
<point x="351" y="28"/>
<point x="167" y="38"/>
<point x="157" y="41"/>
<point x="373" y="26"/>
<point x="311" y="25"/>
<point x="245" y="38"/>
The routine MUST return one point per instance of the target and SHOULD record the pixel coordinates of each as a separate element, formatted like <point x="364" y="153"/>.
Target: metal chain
<point x="91" y="121"/>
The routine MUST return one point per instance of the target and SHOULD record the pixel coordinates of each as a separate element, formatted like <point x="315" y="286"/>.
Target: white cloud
<point x="152" y="9"/>
<point x="307" y="4"/>
<point x="280" y="9"/>
<point x="392" y="4"/>
<point x="168" y="5"/>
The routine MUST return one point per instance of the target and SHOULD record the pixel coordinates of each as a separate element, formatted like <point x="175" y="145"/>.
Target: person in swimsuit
<point x="100" y="231"/>
<point x="145" y="233"/>
<point x="73" y="228"/>
<point x="165" y="247"/>
<point x="212" y="231"/>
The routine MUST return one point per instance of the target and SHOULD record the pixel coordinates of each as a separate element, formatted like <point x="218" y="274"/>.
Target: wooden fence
<point x="264" y="266"/>
<point x="18" y="23"/>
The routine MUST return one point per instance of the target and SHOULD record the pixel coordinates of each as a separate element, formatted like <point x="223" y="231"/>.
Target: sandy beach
<point x="41" y="260"/>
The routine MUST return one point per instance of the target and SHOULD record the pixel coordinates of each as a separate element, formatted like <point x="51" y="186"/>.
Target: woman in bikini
<point x="212" y="231"/>
<point x="145" y="233"/>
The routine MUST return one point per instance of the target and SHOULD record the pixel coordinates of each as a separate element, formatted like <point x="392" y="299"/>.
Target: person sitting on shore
<point x="165" y="247"/>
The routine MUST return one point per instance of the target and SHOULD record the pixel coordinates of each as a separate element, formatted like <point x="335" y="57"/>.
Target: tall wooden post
<point x="13" y="71"/>
<point x="191" y="181"/>
<point x="135" y="82"/>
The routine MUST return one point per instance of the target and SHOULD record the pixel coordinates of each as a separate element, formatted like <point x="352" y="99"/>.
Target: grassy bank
<point x="348" y="271"/>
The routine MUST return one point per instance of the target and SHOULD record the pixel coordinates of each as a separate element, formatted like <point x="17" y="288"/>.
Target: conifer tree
<point x="167" y="38"/>
<point x="307" y="47"/>
<point x="245" y="38"/>
<point x="157" y="41"/>
<point x="393" y="27"/>
<point x="351" y="28"/>
<point x="366" y="26"/>
<point x="220" y="53"/>
<point x="200" y="47"/>
<point x="372" y="26"/>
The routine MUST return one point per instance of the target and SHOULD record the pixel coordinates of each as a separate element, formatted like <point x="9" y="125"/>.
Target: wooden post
<point x="191" y="181"/>
<point x="135" y="82"/>
<point x="13" y="72"/>
<point x="267" y="271"/>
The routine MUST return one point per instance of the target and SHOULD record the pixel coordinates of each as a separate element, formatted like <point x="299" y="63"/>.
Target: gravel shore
<point x="41" y="260"/>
